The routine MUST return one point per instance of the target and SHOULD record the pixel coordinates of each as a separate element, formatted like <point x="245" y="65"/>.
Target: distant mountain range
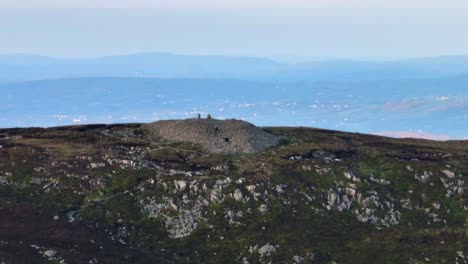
<point x="24" y="67"/>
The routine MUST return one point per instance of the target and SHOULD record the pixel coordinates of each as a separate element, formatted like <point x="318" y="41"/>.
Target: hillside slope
<point x="109" y="194"/>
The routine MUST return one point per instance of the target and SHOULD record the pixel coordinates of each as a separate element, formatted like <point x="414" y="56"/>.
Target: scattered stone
<point x="298" y="259"/>
<point x="4" y="180"/>
<point x="237" y="195"/>
<point x="448" y="174"/>
<point x="351" y="176"/>
<point x="50" y="253"/>
<point x="280" y="188"/>
<point x="240" y="180"/>
<point x="263" y="208"/>
<point x="180" y="185"/>
<point x="266" y="250"/>
<point x="423" y="178"/>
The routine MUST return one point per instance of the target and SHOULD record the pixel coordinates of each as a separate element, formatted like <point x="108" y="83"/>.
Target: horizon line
<point x="272" y="58"/>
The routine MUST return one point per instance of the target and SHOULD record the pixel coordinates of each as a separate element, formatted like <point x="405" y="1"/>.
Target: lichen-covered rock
<point x="180" y="185"/>
<point x="237" y="195"/>
<point x="448" y="174"/>
<point x="266" y="250"/>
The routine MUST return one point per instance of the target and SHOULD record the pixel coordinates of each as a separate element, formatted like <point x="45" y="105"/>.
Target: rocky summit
<point x="165" y="193"/>
<point x="218" y="136"/>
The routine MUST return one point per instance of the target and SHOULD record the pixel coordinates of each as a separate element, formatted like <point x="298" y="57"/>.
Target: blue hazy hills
<point x="427" y="97"/>
<point x="23" y="67"/>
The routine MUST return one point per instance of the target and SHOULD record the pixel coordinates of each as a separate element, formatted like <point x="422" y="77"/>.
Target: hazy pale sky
<point x="233" y="3"/>
<point x="282" y="29"/>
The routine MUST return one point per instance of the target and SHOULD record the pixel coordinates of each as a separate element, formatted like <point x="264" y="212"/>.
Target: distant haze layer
<point x="297" y="31"/>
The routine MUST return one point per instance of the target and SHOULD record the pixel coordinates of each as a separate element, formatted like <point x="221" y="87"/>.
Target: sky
<point x="212" y="4"/>
<point x="281" y="29"/>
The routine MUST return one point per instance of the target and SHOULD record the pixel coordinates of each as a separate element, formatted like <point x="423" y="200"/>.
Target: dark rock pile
<point x="219" y="136"/>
